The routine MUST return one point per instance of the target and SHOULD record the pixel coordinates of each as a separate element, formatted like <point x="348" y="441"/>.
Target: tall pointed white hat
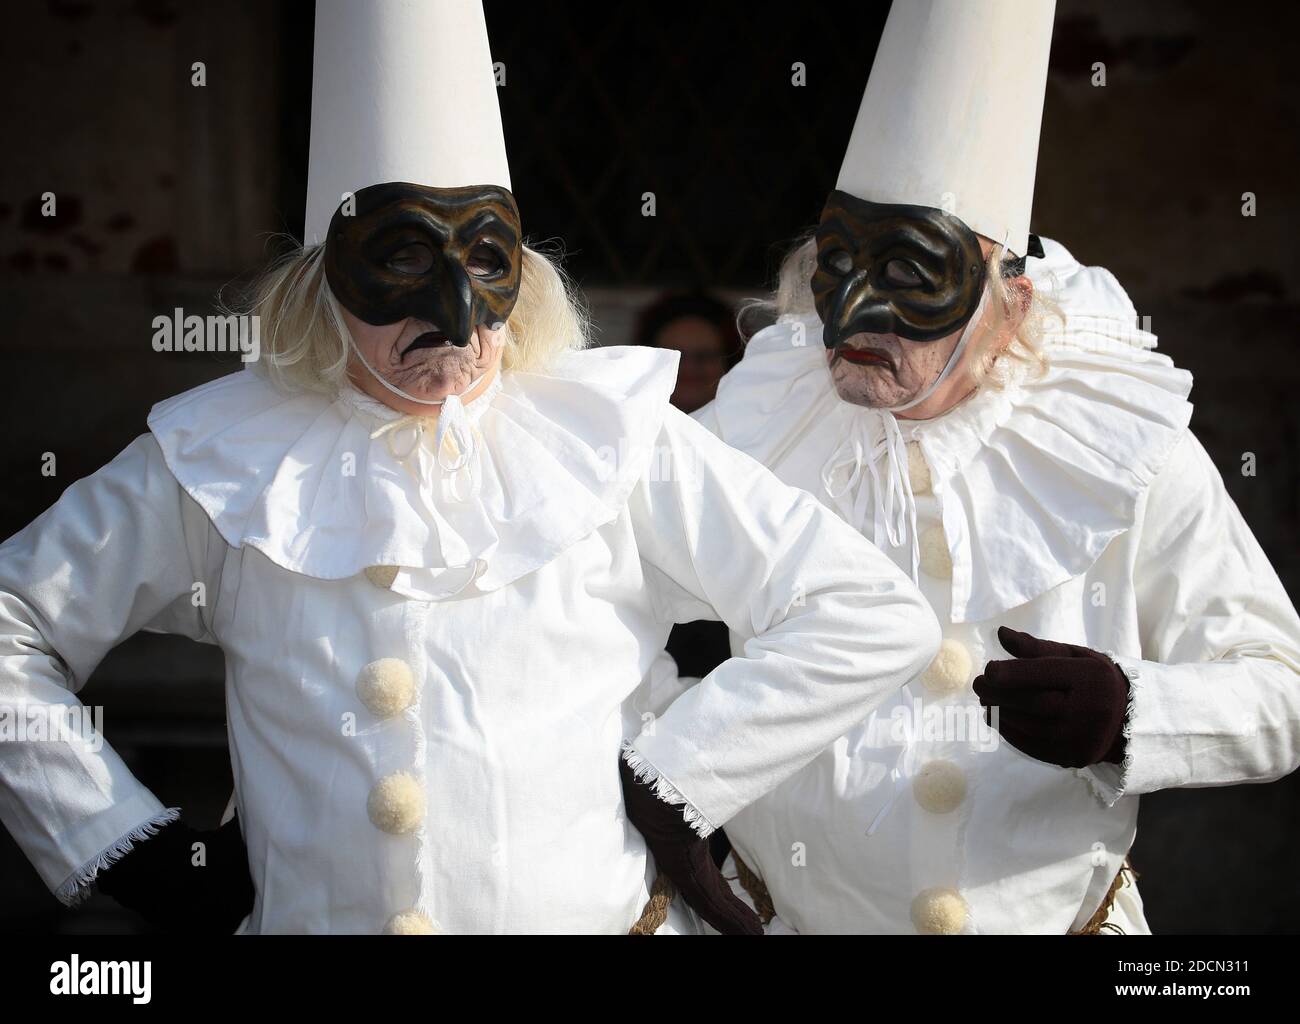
<point x="402" y="90"/>
<point x="952" y="111"/>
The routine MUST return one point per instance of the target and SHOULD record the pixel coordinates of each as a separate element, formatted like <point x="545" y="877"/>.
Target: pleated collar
<point x="300" y="477"/>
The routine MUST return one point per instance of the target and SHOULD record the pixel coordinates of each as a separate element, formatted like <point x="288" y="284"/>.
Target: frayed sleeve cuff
<point x="77" y="885"/>
<point x="666" y="791"/>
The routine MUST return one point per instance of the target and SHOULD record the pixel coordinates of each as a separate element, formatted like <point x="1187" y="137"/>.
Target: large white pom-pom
<point x="381" y="576"/>
<point x="951" y="669"/>
<point x="411" y="922"/>
<point x="918" y="470"/>
<point x="939" y="912"/>
<point x="396" y="803"/>
<point x="935" y="559"/>
<point x="939" y="787"/>
<point x="386" y="687"/>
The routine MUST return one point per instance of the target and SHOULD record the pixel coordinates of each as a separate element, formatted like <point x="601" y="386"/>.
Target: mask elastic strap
<point x="953" y="359"/>
<point x="402" y="394"/>
<point x="453" y="420"/>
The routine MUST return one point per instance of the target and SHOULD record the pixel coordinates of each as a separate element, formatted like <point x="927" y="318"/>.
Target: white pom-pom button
<point x="951" y="669"/>
<point x="386" y="687"/>
<point x="918" y="470"/>
<point x="381" y="576"/>
<point x="935" y="559"/>
<point x="411" y="922"/>
<point x="939" y="787"/>
<point x="939" y="912"/>
<point x="396" y="803"/>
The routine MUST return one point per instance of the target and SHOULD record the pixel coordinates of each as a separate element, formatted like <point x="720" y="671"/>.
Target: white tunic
<point x="1076" y="507"/>
<point x="443" y="738"/>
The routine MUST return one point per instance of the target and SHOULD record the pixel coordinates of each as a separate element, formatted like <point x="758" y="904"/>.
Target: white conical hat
<point x="952" y="110"/>
<point x="402" y="90"/>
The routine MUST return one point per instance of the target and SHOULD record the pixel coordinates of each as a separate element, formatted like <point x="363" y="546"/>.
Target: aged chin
<point x="873" y="386"/>
<point x="436" y="375"/>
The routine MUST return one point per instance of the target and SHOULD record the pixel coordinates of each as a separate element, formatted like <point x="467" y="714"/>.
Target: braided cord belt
<point x="753" y="885"/>
<point x="1095" y="925"/>
<point x="656" y="908"/>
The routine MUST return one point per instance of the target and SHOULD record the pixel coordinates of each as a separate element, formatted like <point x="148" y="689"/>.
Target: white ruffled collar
<point x="413" y="440"/>
<point x="1033" y="480"/>
<point x="300" y="478"/>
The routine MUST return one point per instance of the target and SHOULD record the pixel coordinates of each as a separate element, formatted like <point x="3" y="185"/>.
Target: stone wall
<point x="166" y="192"/>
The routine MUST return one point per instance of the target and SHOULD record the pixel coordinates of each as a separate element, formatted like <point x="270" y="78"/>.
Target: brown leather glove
<point x="684" y="857"/>
<point x="159" y="880"/>
<point x="1057" y="702"/>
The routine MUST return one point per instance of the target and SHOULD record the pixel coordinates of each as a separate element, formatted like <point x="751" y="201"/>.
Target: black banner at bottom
<point x="549" y="974"/>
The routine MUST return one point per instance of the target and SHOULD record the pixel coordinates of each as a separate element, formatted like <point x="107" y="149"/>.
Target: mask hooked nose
<point x="449" y="302"/>
<point x="854" y="311"/>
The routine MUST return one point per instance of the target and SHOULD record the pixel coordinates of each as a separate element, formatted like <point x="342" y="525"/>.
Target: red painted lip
<point x="866" y="357"/>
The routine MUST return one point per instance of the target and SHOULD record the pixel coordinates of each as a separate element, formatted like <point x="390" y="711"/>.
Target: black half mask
<point x="451" y="256"/>
<point x="913" y="271"/>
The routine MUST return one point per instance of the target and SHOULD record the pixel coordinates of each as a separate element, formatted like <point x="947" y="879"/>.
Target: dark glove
<point x="159" y="880"/>
<point x="1057" y="702"/>
<point x="683" y="856"/>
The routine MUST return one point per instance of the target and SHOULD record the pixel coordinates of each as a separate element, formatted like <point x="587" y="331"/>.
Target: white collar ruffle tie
<point x="877" y="441"/>
<point x="452" y="437"/>
<point x="876" y="445"/>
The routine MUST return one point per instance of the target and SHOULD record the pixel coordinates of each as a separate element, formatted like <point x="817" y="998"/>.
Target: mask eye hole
<point x="900" y="273"/>
<point x="484" y="261"/>
<point x="413" y="259"/>
<point x="837" y="261"/>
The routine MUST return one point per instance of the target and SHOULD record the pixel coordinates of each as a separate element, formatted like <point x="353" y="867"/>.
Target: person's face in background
<point x="704" y="361"/>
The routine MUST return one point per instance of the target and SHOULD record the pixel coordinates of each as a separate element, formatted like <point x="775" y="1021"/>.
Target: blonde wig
<point x="303" y="334"/>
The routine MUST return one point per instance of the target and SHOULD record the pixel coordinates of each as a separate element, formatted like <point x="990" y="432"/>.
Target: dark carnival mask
<point x="913" y="271"/>
<point x="450" y="256"/>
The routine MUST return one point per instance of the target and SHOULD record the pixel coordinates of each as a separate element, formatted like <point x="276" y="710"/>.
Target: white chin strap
<point x="966" y="333"/>
<point x="953" y="359"/>
<point x="452" y="421"/>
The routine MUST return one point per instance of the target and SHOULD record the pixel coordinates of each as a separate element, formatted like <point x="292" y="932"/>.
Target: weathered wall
<point x="167" y="191"/>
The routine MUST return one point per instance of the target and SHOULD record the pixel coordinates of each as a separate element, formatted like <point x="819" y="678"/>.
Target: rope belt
<point x="1096" y="925"/>
<point x="662" y="892"/>
<point x="754" y="887"/>
<point x="656" y="908"/>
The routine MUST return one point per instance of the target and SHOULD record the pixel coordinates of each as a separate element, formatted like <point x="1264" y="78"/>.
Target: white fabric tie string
<point x="453" y="422"/>
<point x="893" y="506"/>
<point x="894" y="512"/>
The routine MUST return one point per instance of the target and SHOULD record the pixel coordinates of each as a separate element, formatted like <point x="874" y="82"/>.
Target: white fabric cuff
<point x="666" y="791"/>
<point x="1180" y="727"/>
<point x="1110" y="782"/>
<point x="77" y="885"/>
